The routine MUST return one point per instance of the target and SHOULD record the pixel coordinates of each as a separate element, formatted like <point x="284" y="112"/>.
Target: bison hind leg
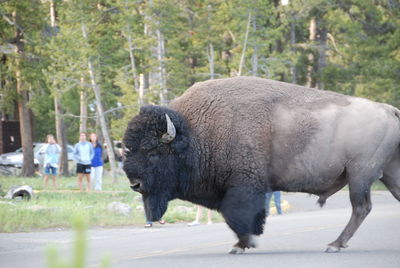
<point x="360" y="197"/>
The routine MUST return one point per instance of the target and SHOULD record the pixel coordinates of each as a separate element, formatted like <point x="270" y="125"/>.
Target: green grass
<point x="378" y="186"/>
<point x="54" y="209"/>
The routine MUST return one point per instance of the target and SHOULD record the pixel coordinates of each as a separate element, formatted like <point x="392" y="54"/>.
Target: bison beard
<point x="154" y="208"/>
<point x="225" y="143"/>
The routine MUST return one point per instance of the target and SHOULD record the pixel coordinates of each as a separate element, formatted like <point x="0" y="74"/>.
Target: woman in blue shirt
<point x="97" y="163"/>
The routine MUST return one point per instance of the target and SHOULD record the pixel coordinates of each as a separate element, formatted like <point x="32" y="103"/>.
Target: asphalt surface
<point x="296" y="239"/>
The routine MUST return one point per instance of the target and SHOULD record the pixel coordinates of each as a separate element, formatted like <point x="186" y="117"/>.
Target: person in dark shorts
<point x="83" y="154"/>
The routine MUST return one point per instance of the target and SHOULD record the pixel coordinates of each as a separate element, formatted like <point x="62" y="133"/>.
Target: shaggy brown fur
<point x="239" y="138"/>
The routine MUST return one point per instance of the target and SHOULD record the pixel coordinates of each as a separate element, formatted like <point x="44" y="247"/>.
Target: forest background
<point x="68" y="66"/>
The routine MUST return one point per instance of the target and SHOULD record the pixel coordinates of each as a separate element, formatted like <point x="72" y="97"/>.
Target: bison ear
<point x="169" y="136"/>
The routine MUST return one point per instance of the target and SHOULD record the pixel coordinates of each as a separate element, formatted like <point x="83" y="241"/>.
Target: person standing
<point x="198" y="217"/>
<point x="120" y="157"/>
<point x="277" y="200"/>
<point x="97" y="163"/>
<point x="83" y="154"/>
<point x="51" y="160"/>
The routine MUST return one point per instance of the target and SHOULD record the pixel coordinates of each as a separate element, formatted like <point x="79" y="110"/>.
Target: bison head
<point x="157" y="160"/>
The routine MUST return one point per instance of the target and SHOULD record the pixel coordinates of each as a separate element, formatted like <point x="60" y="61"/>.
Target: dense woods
<point x="88" y="65"/>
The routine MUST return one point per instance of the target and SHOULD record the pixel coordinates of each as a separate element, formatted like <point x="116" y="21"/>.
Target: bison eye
<point x="137" y="187"/>
<point x="127" y="151"/>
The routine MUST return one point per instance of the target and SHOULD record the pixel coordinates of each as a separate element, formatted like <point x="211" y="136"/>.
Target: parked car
<point x="117" y="145"/>
<point x="15" y="159"/>
<point x="41" y="153"/>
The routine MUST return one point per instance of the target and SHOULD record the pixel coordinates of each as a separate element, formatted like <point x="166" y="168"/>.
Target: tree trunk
<point x="311" y="58"/>
<point x="246" y="36"/>
<point x="142" y="87"/>
<point x="254" y="58"/>
<point x="131" y="55"/>
<point x="28" y="166"/>
<point x="100" y="112"/>
<point x="103" y="123"/>
<point x="98" y="130"/>
<point x="99" y="134"/>
<point x="60" y="127"/>
<point x="158" y="77"/>
<point x="293" y="69"/>
<point x="61" y="137"/>
<point x="83" y="116"/>
<point x="210" y="56"/>
<point x="322" y="49"/>
<point x="279" y="45"/>
<point x="135" y="77"/>
<point x="161" y="68"/>
<point x="133" y="67"/>
<point x="151" y="75"/>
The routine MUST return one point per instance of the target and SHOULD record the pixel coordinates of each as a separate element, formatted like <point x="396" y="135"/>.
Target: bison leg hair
<point x="259" y="221"/>
<point x="242" y="210"/>
<point x="243" y="243"/>
<point x="360" y="197"/>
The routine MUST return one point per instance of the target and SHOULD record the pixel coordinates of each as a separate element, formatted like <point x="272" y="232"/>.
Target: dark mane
<point x="144" y="133"/>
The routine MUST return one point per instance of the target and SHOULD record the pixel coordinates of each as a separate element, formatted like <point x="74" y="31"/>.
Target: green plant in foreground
<point x="79" y="251"/>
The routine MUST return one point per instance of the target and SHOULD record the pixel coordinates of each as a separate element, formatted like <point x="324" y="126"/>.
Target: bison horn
<point x="171" y="131"/>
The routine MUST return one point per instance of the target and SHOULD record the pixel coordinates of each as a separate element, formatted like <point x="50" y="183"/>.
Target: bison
<point x="225" y="143"/>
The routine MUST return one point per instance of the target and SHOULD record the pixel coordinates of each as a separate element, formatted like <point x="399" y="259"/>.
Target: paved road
<point x="296" y="239"/>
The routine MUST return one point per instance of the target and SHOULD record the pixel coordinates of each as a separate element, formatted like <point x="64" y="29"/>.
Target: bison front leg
<point x="242" y="209"/>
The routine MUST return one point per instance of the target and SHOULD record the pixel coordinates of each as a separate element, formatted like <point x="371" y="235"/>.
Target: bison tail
<point x="321" y="201"/>
<point x="397" y="113"/>
<point x="393" y="110"/>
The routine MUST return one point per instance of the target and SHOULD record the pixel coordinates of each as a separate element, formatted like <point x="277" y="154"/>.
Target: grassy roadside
<point x="54" y="209"/>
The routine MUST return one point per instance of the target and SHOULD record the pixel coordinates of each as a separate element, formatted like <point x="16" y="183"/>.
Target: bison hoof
<point x="236" y="250"/>
<point x="252" y="242"/>
<point x="332" y="249"/>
